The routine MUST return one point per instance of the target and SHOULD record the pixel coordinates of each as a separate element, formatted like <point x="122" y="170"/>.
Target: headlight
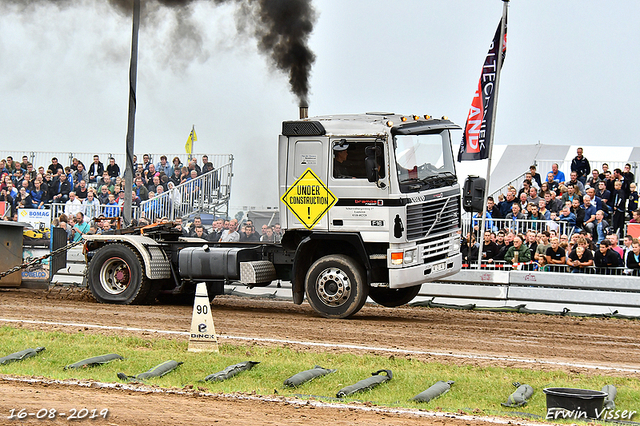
<point x="410" y="256"/>
<point x="455" y="245"/>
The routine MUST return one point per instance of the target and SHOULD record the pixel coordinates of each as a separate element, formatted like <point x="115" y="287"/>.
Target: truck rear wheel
<point x="392" y="297"/>
<point x="116" y="275"/>
<point x="336" y="287"/>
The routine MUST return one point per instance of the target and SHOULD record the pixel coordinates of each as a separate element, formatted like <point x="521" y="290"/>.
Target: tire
<point x="116" y="275"/>
<point x="392" y="297"/>
<point x="336" y="287"/>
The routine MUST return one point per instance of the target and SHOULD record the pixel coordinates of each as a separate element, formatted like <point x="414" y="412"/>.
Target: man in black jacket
<point x="95" y="169"/>
<point x="581" y="166"/>
<point x="606" y="258"/>
<point x="61" y="189"/>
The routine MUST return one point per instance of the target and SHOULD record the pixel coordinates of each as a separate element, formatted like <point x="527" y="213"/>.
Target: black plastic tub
<point x="572" y="403"/>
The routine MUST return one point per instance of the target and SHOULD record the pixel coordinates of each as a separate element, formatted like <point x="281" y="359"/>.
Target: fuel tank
<point x="207" y="263"/>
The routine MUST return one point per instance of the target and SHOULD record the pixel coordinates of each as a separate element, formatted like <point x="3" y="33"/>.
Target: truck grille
<point x="433" y="217"/>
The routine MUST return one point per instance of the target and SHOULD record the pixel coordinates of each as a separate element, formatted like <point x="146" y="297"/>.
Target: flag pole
<point x="133" y="71"/>
<point x="503" y="27"/>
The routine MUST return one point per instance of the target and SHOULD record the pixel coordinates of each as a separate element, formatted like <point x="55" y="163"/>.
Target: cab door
<point x="306" y="153"/>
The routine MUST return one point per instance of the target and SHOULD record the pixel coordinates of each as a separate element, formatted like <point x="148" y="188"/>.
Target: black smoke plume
<point x="281" y="28"/>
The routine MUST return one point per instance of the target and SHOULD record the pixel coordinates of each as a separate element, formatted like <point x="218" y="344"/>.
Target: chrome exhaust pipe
<point x="304" y="112"/>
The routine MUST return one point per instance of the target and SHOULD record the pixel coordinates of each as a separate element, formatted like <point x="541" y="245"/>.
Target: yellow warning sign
<point x="309" y="199"/>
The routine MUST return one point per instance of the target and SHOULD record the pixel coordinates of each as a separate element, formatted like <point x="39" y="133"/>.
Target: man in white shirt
<point x="231" y="235"/>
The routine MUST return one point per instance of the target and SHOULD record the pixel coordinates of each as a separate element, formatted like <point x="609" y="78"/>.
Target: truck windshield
<point x="424" y="161"/>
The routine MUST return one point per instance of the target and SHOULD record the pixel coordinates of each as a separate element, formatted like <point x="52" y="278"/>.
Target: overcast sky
<point x="570" y="77"/>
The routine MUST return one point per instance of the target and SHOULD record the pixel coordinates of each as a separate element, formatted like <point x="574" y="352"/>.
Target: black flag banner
<point x="477" y="131"/>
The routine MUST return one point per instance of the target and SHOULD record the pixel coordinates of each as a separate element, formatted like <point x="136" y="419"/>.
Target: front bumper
<point x="425" y="272"/>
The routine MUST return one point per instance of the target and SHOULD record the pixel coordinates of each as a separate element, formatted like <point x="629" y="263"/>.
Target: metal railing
<point x="208" y="193"/>
<point x="518" y="225"/>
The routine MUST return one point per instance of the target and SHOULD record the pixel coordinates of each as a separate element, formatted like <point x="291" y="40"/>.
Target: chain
<point x="37" y="260"/>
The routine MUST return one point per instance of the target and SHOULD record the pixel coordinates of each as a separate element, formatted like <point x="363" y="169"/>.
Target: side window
<point x="349" y="158"/>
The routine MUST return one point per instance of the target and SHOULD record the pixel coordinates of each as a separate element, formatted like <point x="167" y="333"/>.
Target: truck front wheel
<point x="116" y="275"/>
<point x="392" y="297"/>
<point x="336" y="287"/>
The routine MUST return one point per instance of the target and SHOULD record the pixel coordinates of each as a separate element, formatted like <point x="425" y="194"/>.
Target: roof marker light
<point x="427" y="117"/>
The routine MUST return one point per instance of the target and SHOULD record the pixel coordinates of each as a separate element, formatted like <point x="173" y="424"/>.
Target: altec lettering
<point x="477" y="130"/>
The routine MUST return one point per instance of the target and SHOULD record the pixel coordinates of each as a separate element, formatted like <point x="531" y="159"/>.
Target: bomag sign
<point x="309" y="199"/>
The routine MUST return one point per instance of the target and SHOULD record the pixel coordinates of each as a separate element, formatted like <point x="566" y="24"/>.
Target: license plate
<point x="439" y="267"/>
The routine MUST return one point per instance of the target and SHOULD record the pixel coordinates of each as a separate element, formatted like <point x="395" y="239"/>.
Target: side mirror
<point x="372" y="169"/>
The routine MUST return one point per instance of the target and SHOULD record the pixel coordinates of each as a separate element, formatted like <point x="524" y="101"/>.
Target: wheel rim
<point x="333" y="287"/>
<point x="115" y="275"/>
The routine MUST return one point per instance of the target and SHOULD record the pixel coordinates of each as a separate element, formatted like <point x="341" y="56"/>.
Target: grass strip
<point x="477" y="390"/>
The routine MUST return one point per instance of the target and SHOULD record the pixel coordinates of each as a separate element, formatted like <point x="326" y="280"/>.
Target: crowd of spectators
<point x="94" y="190"/>
<point x="575" y="222"/>
<point x="230" y="231"/>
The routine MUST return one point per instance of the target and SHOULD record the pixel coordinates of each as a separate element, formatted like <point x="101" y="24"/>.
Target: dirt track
<point x="605" y="342"/>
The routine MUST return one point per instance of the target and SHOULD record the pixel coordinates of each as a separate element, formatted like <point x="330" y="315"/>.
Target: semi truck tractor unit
<point x="370" y="205"/>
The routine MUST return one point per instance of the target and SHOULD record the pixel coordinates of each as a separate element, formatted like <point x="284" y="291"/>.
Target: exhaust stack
<point x="304" y="112"/>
